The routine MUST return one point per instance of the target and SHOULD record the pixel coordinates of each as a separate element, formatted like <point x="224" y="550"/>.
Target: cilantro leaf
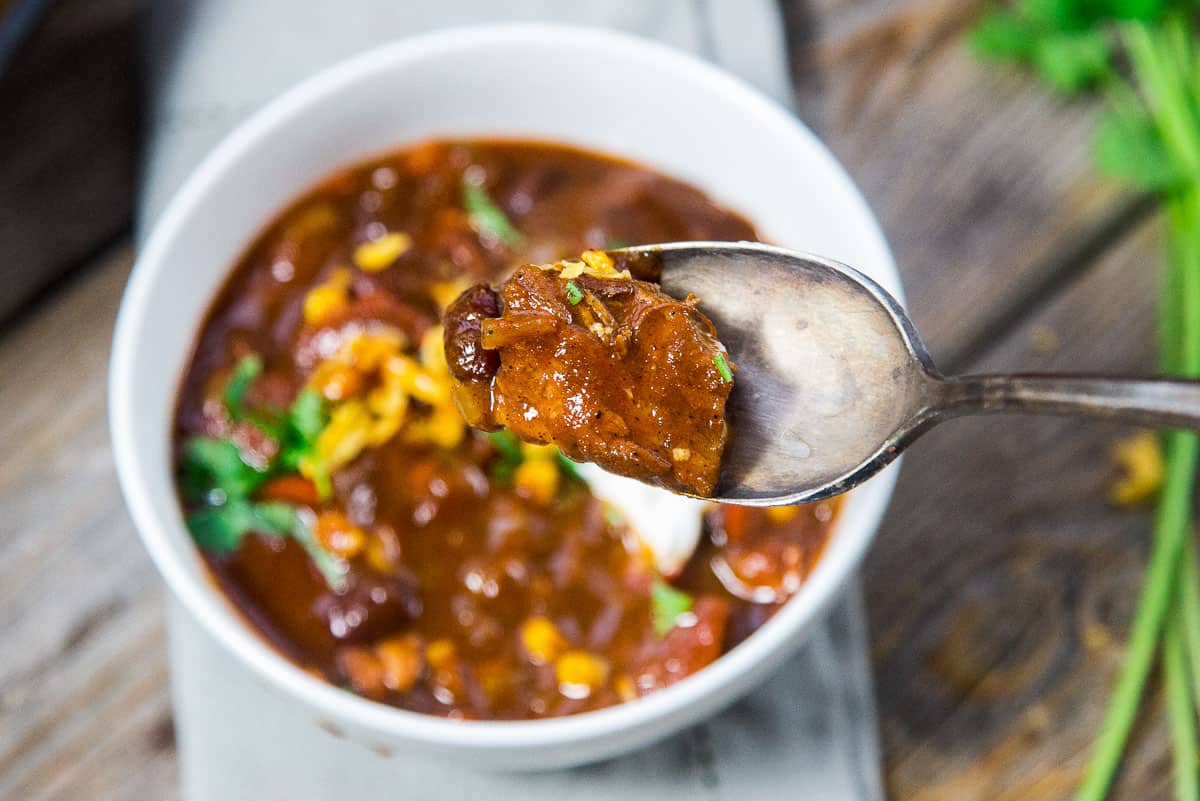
<point x="308" y="416"/>
<point x="332" y="569"/>
<point x="1003" y="36"/>
<point x="247" y="369"/>
<point x="506" y="443"/>
<point x="667" y="604"/>
<point x="216" y="464"/>
<point x="306" y="419"/>
<point x="487" y="217"/>
<point x="275" y="517"/>
<point x="1071" y="62"/>
<point x="220" y="529"/>
<point x="510" y="456"/>
<point x="1143" y="10"/>
<point x="1130" y="149"/>
<point x="568" y="467"/>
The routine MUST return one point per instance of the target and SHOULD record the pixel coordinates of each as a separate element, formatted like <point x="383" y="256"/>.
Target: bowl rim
<point x="710" y="688"/>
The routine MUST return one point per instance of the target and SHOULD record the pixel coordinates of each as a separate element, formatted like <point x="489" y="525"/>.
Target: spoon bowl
<point x="830" y="372"/>
<point x="833" y="381"/>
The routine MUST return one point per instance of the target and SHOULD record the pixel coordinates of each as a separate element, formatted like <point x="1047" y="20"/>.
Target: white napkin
<point x="809" y="732"/>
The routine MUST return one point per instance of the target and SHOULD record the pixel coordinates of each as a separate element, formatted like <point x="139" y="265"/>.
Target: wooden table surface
<point x="1001" y="587"/>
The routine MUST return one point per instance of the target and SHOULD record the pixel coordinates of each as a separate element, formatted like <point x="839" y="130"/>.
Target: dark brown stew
<point x="606" y="367"/>
<point x="345" y="507"/>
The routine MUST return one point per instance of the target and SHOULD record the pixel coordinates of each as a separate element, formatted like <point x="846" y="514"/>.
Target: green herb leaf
<point x="487" y="217"/>
<point x="569" y="468"/>
<point x="1003" y="35"/>
<point x="274" y="517"/>
<point x="308" y="416"/>
<point x="220" y="529"/>
<point x="1131" y="150"/>
<point x="508" y="449"/>
<point x="216" y="464"/>
<point x="722" y="365"/>
<point x="574" y="293"/>
<point x="667" y="604"/>
<point x="306" y="419"/>
<point x="1071" y="62"/>
<point x="506" y="443"/>
<point x="332" y="569"/>
<point x="1142" y="10"/>
<point x="247" y="369"/>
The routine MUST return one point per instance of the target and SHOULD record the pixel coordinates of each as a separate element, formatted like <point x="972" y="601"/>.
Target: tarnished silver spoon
<point x="833" y="381"/>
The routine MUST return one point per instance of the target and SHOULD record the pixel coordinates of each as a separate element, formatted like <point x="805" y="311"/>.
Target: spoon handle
<point x="1152" y="402"/>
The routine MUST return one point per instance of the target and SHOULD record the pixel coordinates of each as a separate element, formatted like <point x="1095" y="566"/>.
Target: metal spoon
<point x="833" y="381"/>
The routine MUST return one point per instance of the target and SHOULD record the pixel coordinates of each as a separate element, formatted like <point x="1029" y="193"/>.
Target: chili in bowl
<point x="287" y="440"/>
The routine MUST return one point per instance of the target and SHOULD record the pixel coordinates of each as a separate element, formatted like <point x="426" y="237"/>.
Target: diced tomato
<point x="293" y="489"/>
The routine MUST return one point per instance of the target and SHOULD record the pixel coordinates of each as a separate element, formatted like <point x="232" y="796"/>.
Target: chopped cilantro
<point x="332" y="569"/>
<point x="667" y="604"/>
<point x="308" y="416"/>
<point x="510" y="456"/>
<point x="487" y="217"/>
<point x="220" y="529"/>
<point x="508" y="449"/>
<point x="215" y="479"/>
<point x="722" y="365"/>
<point x="306" y="419"/>
<point x="568" y="467"/>
<point x="247" y="369"/>
<point x="1130" y="148"/>
<point x="216" y="464"/>
<point x="506" y="443"/>
<point x="574" y="293"/>
<point x="1074" y="61"/>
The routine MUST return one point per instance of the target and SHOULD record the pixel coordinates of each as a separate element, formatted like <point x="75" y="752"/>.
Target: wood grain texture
<point x="978" y="175"/>
<point x="1000" y="588"/>
<point x="83" y="698"/>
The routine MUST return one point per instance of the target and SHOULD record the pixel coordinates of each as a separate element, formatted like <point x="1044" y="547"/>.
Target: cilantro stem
<point x="722" y="365"/>
<point x="486" y="216"/>
<point x="1151" y="141"/>
<point x="1180" y="714"/>
<point x="1173" y="522"/>
<point x="1189" y="612"/>
<point x="1170" y="532"/>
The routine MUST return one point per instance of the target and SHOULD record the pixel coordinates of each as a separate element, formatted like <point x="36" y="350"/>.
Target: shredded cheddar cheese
<point x="379" y="254"/>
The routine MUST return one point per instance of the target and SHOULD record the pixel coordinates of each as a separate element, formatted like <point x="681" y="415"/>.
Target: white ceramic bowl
<point x="600" y="90"/>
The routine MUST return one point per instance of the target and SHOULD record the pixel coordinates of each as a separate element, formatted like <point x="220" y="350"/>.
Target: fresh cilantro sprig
<point x="213" y="472"/>
<point x="487" y="217"/>
<point x="220" y="529"/>
<point x="1142" y="56"/>
<point x="220" y="484"/>
<point x="667" y="603"/>
<point x="509" y="457"/>
<point x="248" y="368"/>
<point x="1072" y="44"/>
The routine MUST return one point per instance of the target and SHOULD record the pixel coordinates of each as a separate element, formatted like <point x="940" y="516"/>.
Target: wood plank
<point x="979" y="176"/>
<point x="83" y="698"/>
<point x="1001" y="587"/>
